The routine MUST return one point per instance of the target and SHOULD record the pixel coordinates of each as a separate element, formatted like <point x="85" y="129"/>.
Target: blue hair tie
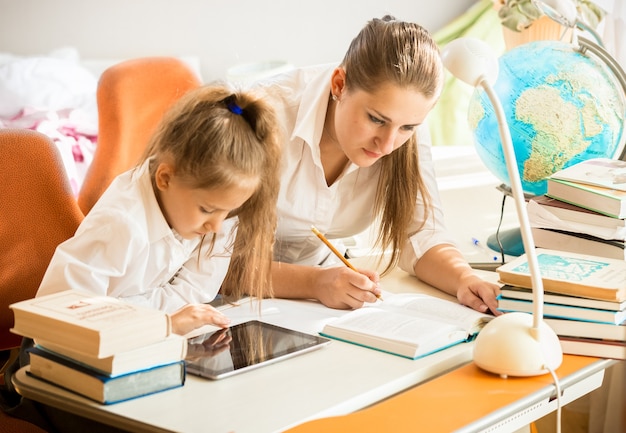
<point x="234" y="108"/>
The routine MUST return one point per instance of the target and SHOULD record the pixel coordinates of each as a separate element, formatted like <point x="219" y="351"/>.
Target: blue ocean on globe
<point x="562" y="107"/>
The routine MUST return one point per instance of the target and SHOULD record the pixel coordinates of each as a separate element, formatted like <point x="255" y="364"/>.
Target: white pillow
<point x="44" y="83"/>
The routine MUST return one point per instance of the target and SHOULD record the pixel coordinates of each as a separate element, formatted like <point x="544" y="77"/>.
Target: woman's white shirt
<point x="345" y="208"/>
<point x="124" y="248"/>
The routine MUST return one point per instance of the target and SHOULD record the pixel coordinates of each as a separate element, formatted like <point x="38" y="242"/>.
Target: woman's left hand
<point x="479" y="294"/>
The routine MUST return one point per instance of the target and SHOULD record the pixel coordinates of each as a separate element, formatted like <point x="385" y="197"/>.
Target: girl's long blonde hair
<point x="404" y="54"/>
<point x="217" y="138"/>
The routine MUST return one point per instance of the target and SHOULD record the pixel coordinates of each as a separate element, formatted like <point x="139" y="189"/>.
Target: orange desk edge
<point x="444" y="404"/>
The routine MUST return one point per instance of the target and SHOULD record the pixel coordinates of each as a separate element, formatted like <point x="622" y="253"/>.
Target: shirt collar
<point x="312" y="111"/>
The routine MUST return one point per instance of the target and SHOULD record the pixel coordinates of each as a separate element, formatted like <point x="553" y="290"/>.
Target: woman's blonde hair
<point x="217" y="138"/>
<point x="406" y="55"/>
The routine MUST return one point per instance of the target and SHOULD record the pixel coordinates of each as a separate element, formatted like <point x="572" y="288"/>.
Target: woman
<point x="354" y="153"/>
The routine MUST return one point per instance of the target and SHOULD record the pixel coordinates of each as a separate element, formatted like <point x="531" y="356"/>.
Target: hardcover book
<point x="606" y="201"/>
<point x="106" y="389"/>
<point x="512" y="292"/>
<point x="575" y="328"/>
<point x="408" y="325"/>
<point x="604" y="172"/>
<point x="593" y="347"/>
<point x="564" y="311"/>
<point x="570" y="274"/>
<point x="170" y="349"/>
<point x="580" y="243"/>
<point x="570" y="213"/>
<point x="97" y="326"/>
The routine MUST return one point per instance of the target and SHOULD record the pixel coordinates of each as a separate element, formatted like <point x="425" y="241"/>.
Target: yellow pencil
<point x="335" y="251"/>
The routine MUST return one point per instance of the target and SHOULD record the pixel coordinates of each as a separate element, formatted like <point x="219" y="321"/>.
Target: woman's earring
<point x="334" y="97"/>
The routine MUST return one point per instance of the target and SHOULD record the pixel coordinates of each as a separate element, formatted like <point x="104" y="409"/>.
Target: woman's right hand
<point x="343" y="288"/>
<point x="192" y="316"/>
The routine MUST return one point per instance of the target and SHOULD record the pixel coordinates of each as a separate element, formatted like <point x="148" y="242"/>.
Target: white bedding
<point x="56" y="95"/>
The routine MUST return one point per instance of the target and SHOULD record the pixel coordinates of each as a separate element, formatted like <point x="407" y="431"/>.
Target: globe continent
<point x="562" y="107"/>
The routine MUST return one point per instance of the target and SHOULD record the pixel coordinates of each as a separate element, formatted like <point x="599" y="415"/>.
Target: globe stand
<point x="508" y="242"/>
<point x="586" y="46"/>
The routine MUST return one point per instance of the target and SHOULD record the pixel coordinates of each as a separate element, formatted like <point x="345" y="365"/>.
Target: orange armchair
<point x="39" y="211"/>
<point x="132" y="97"/>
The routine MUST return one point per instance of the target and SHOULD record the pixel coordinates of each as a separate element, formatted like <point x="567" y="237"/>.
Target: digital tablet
<point x="244" y="347"/>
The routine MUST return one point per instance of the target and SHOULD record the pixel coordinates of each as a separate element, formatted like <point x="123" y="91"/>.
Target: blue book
<point x="560" y="311"/>
<point x="107" y="389"/>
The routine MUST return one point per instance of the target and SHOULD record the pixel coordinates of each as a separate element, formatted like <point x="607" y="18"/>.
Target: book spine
<point x="587" y="347"/>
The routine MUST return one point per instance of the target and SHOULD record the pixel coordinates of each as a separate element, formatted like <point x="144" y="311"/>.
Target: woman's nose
<point x="386" y="142"/>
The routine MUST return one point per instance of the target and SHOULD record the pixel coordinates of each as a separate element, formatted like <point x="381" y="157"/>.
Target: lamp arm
<point x="520" y="205"/>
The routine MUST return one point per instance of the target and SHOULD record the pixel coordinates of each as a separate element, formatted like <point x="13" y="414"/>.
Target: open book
<point x="408" y="324"/>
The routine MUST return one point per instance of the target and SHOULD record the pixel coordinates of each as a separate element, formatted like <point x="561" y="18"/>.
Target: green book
<point x="611" y="202"/>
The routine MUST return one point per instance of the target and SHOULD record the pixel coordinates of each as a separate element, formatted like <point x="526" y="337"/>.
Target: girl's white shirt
<point x="345" y="208"/>
<point x="124" y="248"/>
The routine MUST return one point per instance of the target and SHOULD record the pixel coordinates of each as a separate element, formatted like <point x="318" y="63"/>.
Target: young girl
<point x="354" y="153"/>
<point x="196" y="216"/>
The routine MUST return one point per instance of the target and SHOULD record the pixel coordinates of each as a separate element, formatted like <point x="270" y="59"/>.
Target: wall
<point x="222" y="33"/>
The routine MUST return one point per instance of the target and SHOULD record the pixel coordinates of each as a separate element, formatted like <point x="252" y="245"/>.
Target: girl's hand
<point x="192" y="316"/>
<point x="342" y="288"/>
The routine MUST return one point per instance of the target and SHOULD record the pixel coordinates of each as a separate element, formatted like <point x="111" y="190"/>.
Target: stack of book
<point x="584" y="299"/>
<point x="584" y="209"/>
<point x="100" y="347"/>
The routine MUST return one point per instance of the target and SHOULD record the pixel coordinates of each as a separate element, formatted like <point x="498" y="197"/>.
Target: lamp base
<point x="511" y="240"/>
<point x="509" y="346"/>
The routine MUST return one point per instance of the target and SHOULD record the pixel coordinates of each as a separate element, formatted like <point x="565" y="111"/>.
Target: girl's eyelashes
<point x="206" y="211"/>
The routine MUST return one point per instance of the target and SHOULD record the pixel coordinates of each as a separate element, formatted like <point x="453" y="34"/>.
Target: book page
<point x="433" y="308"/>
<point x="379" y="322"/>
<point x="543" y="218"/>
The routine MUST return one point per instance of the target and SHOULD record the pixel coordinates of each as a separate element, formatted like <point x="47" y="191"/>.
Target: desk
<point x="336" y="380"/>
<point x="469" y="399"/>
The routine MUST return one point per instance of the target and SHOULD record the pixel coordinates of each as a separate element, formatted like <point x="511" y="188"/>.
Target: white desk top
<point x="334" y="380"/>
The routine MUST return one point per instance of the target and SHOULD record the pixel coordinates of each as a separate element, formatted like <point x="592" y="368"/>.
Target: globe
<point x="562" y="107"/>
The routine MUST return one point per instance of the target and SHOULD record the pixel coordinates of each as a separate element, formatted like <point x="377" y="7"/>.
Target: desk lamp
<point x="516" y="343"/>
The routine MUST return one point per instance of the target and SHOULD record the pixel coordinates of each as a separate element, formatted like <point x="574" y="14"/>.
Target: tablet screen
<point x="245" y="346"/>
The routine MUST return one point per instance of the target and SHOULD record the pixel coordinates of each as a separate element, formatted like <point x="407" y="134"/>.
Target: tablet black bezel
<point x="311" y="342"/>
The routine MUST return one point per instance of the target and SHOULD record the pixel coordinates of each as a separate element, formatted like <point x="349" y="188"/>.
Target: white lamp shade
<point x="471" y="61"/>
